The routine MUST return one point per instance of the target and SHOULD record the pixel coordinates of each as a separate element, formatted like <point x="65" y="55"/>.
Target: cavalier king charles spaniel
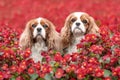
<point x="76" y="26"/>
<point x="39" y="35"/>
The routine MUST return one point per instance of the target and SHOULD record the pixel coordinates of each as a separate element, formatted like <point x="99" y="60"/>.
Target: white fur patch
<point x="73" y="48"/>
<point x="36" y="51"/>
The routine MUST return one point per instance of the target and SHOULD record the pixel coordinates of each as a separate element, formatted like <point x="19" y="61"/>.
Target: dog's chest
<point x="73" y="48"/>
<point x="36" y="51"/>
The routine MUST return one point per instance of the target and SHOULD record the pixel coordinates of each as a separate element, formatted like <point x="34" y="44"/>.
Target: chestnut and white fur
<point x="39" y="35"/>
<point x="77" y="24"/>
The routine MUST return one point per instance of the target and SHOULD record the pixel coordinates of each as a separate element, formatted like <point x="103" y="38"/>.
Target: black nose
<point x="39" y="29"/>
<point x="77" y="24"/>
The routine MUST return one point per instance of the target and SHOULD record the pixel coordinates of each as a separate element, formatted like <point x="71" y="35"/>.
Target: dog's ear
<point x="93" y="28"/>
<point x="53" y="38"/>
<point x="26" y="38"/>
<point x="66" y="32"/>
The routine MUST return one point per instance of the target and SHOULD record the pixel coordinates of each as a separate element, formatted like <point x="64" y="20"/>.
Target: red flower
<point x="90" y="38"/>
<point x="22" y="67"/>
<point x="116" y="71"/>
<point x="113" y="60"/>
<point x="81" y="71"/>
<point x="80" y="45"/>
<point x="96" y="49"/>
<point x="68" y="69"/>
<point x="5" y="67"/>
<point x="31" y="70"/>
<point x="37" y="65"/>
<point x="104" y="32"/>
<point x="93" y="61"/>
<point x="80" y="76"/>
<point x="6" y="74"/>
<point x="72" y="79"/>
<point x="1" y="76"/>
<point x="117" y="51"/>
<point x="73" y="67"/>
<point x="67" y="57"/>
<point x="107" y="78"/>
<point x="6" y="55"/>
<point x="46" y="68"/>
<point x="42" y="75"/>
<point x="58" y="57"/>
<point x="13" y="68"/>
<point x="19" y="78"/>
<point x="63" y="61"/>
<point x="59" y="73"/>
<point x="74" y="56"/>
<point x="116" y="39"/>
<point x="98" y="72"/>
<point x="27" y="53"/>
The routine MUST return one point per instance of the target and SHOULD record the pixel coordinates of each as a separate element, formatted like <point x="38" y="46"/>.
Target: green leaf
<point x="92" y="54"/>
<point x="107" y="60"/>
<point x="62" y="79"/>
<point x="40" y="79"/>
<point x="87" y="77"/>
<point x="98" y="79"/>
<point x="26" y="76"/>
<point x="33" y="76"/>
<point x="114" y="78"/>
<point x="107" y="73"/>
<point x="56" y="64"/>
<point x="12" y="78"/>
<point x="15" y="75"/>
<point x="48" y="77"/>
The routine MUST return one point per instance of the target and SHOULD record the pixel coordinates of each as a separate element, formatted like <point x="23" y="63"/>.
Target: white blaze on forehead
<point x="39" y="19"/>
<point x="78" y="15"/>
<point x="43" y="33"/>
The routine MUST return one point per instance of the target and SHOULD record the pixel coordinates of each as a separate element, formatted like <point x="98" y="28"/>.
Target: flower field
<point x="98" y="57"/>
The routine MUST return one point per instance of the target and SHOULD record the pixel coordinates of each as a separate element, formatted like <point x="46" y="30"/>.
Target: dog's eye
<point x="45" y="26"/>
<point x="84" y="21"/>
<point x="73" y="20"/>
<point x="34" y="25"/>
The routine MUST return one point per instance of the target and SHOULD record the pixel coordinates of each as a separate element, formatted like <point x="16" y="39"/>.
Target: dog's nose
<point x="39" y="29"/>
<point x="77" y="24"/>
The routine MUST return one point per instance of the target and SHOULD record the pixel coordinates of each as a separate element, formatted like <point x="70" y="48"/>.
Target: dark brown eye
<point x="73" y="20"/>
<point x="34" y="25"/>
<point x="84" y="21"/>
<point x="45" y="26"/>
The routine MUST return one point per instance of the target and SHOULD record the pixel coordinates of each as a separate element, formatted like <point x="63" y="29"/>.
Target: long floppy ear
<point x="26" y="38"/>
<point x="93" y="28"/>
<point x="53" y="38"/>
<point x="66" y="32"/>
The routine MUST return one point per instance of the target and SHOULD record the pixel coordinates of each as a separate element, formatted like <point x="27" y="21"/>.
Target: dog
<point x="76" y="26"/>
<point x="39" y="35"/>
